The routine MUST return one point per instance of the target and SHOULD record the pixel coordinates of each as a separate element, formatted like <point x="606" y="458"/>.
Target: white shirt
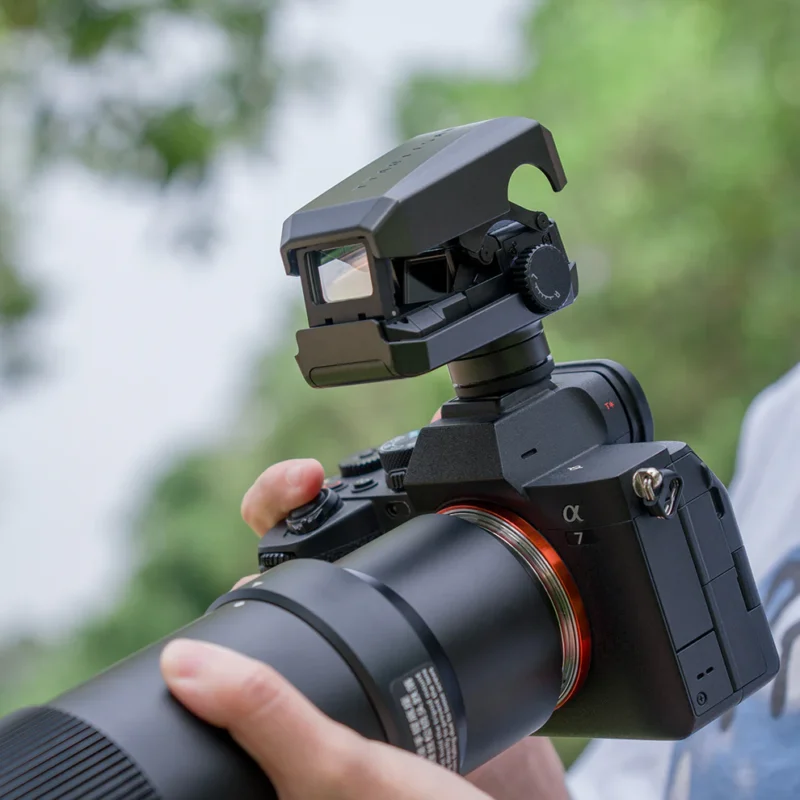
<point x="755" y="752"/>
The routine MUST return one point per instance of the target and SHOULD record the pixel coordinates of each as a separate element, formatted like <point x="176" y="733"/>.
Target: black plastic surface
<point x="402" y="203"/>
<point x="706" y="538"/>
<point x="676" y="582"/>
<point x="736" y="629"/>
<point x="705" y="673"/>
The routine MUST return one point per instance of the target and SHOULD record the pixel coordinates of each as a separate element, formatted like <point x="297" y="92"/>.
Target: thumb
<point x="265" y="714"/>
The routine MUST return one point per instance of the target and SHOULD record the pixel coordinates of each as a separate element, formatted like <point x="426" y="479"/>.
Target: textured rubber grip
<point x="47" y="754"/>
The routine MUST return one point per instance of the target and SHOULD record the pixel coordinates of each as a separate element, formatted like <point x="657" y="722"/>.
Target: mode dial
<point x="360" y="464"/>
<point x="541" y="275"/>
<point x="396" y="453"/>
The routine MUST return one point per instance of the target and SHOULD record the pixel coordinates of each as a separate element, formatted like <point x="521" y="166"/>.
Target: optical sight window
<point x="343" y="273"/>
<point x="426" y="278"/>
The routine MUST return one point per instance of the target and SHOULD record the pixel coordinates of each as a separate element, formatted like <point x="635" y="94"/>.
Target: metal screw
<point x="646" y="482"/>
<point x="702" y="699"/>
<point x="542" y="221"/>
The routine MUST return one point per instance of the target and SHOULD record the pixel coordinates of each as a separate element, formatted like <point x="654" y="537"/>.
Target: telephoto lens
<point x="445" y="637"/>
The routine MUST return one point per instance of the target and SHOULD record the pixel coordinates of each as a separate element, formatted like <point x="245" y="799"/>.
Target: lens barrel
<point x="436" y="637"/>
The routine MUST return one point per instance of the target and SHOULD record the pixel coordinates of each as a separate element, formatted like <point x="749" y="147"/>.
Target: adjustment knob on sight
<point x="312" y="515"/>
<point x="360" y="464"/>
<point x="541" y="275"/>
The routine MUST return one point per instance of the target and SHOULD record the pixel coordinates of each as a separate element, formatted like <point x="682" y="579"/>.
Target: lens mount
<point x="548" y="568"/>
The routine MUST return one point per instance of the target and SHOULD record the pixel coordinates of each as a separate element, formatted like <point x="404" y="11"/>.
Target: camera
<point x="531" y="562"/>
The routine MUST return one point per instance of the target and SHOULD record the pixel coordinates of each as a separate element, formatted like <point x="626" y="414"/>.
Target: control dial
<point x="541" y="275"/>
<point x="311" y="516"/>
<point x="395" y="457"/>
<point x="396" y="453"/>
<point x="360" y="464"/>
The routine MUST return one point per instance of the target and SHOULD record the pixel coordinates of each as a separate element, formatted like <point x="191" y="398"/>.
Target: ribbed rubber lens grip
<point x="49" y="755"/>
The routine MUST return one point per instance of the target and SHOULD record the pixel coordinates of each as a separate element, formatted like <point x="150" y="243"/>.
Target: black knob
<point x="267" y="561"/>
<point x="396" y="453"/>
<point x="541" y="275"/>
<point x="360" y="464"/>
<point x="312" y="515"/>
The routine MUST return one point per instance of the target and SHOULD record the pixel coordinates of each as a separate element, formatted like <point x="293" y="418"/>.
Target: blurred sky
<point x="148" y="350"/>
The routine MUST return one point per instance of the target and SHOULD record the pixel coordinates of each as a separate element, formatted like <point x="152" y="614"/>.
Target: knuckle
<point x="257" y="693"/>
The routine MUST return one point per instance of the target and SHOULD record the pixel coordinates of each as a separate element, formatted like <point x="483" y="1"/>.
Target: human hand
<point x="279" y="727"/>
<point x="531" y="770"/>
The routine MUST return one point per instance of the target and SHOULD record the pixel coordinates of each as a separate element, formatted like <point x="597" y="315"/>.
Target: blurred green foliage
<point x="112" y="51"/>
<point x="79" y="80"/>
<point x="679" y="125"/>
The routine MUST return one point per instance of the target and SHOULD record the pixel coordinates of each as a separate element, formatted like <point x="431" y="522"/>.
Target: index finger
<point x="279" y="490"/>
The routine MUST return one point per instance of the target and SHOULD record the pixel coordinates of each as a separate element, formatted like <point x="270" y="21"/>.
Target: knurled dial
<point x="360" y="464"/>
<point x="396" y="453"/>
<point x="541" y="276"/>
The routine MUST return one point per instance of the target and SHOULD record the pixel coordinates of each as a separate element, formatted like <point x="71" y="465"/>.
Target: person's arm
<point x="530" y="770"/>
<point x="620" y="769"/>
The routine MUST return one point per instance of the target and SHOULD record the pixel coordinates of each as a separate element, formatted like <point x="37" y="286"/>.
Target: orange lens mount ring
<point x="565" y="579"/>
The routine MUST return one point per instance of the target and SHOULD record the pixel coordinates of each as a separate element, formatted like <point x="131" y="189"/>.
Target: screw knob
<point x="646" y="483"/>
<point x="541" y="275"/>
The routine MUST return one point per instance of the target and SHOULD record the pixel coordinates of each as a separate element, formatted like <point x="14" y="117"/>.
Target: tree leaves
<point x="180" y="141"/>
<point x="17" y="298"/>
<point x="110" y="54"/>
<point x="96" y="28"/>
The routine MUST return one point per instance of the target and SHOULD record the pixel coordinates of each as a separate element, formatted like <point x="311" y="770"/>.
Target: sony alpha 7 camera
<point x="418" y="261"/>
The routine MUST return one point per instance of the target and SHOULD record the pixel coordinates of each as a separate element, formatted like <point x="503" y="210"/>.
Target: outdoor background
<point x="149" y="152"/>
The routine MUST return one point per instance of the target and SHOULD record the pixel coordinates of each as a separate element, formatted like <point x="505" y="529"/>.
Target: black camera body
<point x="677" y="631"/>
<point x="666" y="629"/>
